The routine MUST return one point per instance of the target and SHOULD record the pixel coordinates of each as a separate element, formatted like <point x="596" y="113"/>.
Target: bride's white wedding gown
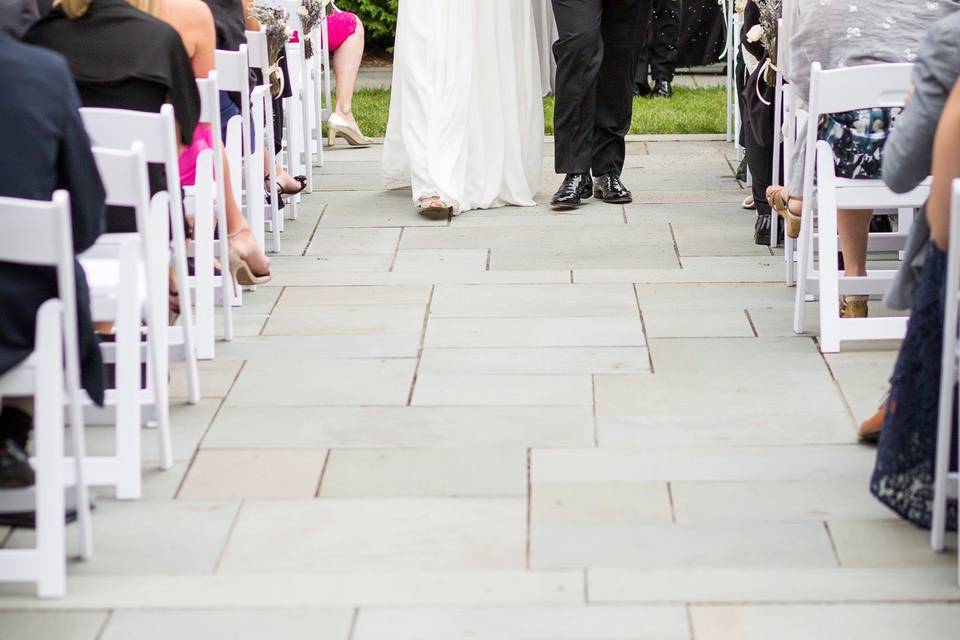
<point x="466" y="116"/>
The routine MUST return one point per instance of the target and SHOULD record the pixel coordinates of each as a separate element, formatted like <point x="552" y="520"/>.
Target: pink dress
<point x="340" y="26"/>
<point x="202" y="139"/>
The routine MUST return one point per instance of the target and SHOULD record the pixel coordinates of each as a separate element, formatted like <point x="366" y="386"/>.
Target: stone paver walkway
<point x="519" y="426"/>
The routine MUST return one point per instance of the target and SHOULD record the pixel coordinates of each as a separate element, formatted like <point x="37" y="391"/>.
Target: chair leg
<point x="128" y="410"/>
<point x="270" y="145"/>
<point x="829" y="282"/>
<point x="804" y="251"/>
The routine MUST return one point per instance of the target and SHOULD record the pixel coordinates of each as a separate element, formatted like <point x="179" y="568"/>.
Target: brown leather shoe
<point x="869" y="432"/>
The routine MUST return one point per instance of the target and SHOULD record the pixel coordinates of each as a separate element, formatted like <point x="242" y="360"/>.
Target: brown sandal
<point x="781" y="204"/>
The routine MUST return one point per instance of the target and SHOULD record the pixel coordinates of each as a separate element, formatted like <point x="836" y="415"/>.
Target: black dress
<point x="43" y="147"/>
<point x="903" y="475"/>
<point x="123" y="58"/>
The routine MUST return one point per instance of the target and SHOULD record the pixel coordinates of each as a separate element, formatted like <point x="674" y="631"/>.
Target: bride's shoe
<point x="434" y="208"/>
<point x="338" y="127"/>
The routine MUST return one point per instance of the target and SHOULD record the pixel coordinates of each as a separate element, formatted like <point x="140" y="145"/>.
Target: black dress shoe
<point x="642" y="89"/>
<point x="576" y="188"/>
<point x="662" y="89"/>
<point x="610" y="189"/>
<point x="15" y="469"/>
<point x="761" y="230"/>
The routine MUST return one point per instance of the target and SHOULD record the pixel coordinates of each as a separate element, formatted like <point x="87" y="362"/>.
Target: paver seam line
<point x="103" y="627"/>
<point x="836" y="384"/>
<point x="676" y="248"/>
<point x="623" y="209"/>
<point x="833" y="544"/>
<point x="6" y="538"/>
<point x="213" y="419"/>
<point x="489" y="258"/>
<point x="323" y="472"/>
<point x="571" y="277"/>
<point x="593" y="396"/>
<point x="689" y="612"/>
<point x="733" y="170"/>
<point x="313" y="233"/>
<point x="643" y="326"/>
<point x="273" y="308"/>
<point x="586" y="587"/>
<point x="423" y="340"/>
<point x="526" y="547"/>
<point x="753" y="327"/>
<point x="226" y="540"/>
<point x="353" y="623"/>
<point x="396" y="251"/>
<point x="673" y="507"/>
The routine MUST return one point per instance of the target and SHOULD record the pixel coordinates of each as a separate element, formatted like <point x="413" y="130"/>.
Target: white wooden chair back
<point x="837" y="91"/>
<point x="118" y="129"/>
<point x="259" y="58"/>
<point x="40" y="234"/>
<point x="210" y="115"/>
<point x="947" y="483"/>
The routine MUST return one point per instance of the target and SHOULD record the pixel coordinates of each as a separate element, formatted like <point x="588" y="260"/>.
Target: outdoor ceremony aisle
<point x="520" y="425"/>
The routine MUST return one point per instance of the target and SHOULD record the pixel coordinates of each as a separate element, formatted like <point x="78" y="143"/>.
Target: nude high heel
<point x="338" y="127"/>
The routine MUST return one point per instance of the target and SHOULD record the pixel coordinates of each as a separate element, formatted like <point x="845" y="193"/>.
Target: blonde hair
<point x="74" y="8"/>
<point x="153" y="7"/>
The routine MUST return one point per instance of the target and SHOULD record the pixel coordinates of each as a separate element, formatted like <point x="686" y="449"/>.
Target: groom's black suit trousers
<point x="596" y="57"/>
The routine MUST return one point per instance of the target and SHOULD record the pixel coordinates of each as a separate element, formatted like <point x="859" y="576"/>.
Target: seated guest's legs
<point x="346" y="65"/>
<point x="16" y="422"/>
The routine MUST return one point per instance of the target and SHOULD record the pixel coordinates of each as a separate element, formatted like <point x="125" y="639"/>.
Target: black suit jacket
<point x="44" y="147"/>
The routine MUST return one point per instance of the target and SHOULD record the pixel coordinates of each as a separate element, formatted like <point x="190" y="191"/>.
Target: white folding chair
<point x="40" y="234"/>
<point x="118" y="129"/>
<point x="246" y="169"/>
<point x="320" y="70"/>
<point x="208" y="202"/>
<point x="778" y="115"/>
<point x="259" y="59"/>
<point x="947" y="483"/>
<point x="836" y="91"/>
<point x="129" y="283"/>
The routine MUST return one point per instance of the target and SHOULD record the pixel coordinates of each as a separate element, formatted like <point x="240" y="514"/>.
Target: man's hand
<point x="910" y="92"/>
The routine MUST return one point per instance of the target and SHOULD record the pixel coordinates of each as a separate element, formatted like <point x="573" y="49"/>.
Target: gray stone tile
<point x="772" y="585"/>
<point x="373" y="209"/>
<point x="689" y="197"/>
<point x="701" y="464"/>
<point x="378" y="535"/>
<point x="864" y="378"/>
<point x="713" y="297"/>
<point x="547" y="237"/>
<point x="152" y="537"/>
<point x="366" y="319"/>
<point x="715" y="240"/>
<point x="810" y="499"/>
<point x="707" y="356"/>
<point x="251" y="624"/>
<point x="660" y="256"/>
<point x="253" y="473"/>
<point x="455" y="427"/>
<point x="680" y="323"/>
<point x="291" y="278"/>
<point x="549" y="300"/>
<point x="216" y="378"/>
<point x="431" y="260"/>
<point x="333" y="241"/>
<point x="298" y="382"/>
<point x="850" y="622"/>
<point x="671" y="546"/>
<point x="535" y="332"/>
<point x="502" y="390"/>
<point x="726" y="213"/>
<point x="377" y="295"/>
<point x="324" y="346"/>
<point x="556" y="623"/>
<point x="724" y="269"/>
<point x="886" y="543"/>
<point x="547" y="360"/>
<point x="51" y="625"/>
<point x="703" y="429"/>
<point x="412" y="473"/>
<point x="604" y="503"/>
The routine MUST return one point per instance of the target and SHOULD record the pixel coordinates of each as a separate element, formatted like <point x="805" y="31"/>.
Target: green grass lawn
<point x="689" y="111"/>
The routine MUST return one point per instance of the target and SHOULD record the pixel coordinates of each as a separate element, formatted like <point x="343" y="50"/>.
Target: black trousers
<point x="596" y="57"/>
<point x="759" y="156"/>
<point x="658" y="53"/>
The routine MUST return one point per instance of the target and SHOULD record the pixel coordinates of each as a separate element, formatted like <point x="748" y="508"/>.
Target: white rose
<point x="755" y="33"/>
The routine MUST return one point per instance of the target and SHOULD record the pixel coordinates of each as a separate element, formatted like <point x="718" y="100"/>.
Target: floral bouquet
<point x="310" y="12"/>
<point x="274" y="21"/>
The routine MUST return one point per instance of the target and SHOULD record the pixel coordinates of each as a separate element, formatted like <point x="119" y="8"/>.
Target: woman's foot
<point x="787" y="207"/>
<point x="869" y="432"/>
<point x="749" y="203"/>
<point x="248" y="258"/>
<point x="290" y="185"/>
<point x="344" y="125"/>
<point x="433" y="207"/>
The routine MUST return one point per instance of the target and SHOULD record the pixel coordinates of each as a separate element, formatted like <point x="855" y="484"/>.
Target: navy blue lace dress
<point x="903" y="475"/>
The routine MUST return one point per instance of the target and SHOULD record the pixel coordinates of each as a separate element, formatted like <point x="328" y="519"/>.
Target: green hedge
<point x="379" y="18"/>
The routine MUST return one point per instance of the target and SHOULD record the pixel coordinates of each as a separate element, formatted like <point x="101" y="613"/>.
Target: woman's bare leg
<point x="241" y="237"/>
<point x="346" y="66"/>
<point x="854" y="228"/>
